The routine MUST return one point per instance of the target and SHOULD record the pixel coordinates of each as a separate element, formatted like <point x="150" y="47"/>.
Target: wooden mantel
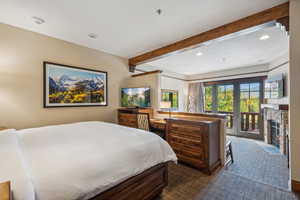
<point x="279" y="12"/>
<point x="276" y="106"/>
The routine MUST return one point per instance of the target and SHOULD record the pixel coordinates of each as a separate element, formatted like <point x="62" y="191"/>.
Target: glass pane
<point x="254" y="86"/>
<point x="175" y="100"/>
<point x="244" y="102"/>
<point x="165" y="96"/>
<point x="254" y="102"/>
<point x="244" y="95"/>
<point x="225" y="98"/>
<point x="208" y="98"/>
<point x="171" y="96"/>
<point x="249" y="97"/>
<point x="244" y="87"/>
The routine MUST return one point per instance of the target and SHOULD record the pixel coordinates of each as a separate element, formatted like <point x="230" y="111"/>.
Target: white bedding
<point x="81" y="160"/>
<point x="12" y="166"/>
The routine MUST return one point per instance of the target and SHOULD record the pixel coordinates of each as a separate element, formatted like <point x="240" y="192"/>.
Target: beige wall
<point x="21" y="78"/>
<point x="295" y="88"/>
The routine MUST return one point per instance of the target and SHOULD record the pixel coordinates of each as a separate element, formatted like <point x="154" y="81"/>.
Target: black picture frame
<point x="46" y="102"/>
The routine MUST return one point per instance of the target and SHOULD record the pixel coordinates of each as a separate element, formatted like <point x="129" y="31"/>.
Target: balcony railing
<point x="249" y="121"/>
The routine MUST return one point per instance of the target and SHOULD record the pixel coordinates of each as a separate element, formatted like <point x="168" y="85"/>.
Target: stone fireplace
<point x="276" y="126"/>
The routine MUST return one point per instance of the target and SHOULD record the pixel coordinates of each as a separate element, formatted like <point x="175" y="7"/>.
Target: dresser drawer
<point x="126" y="119"/>
<point x="193" y="132"/>
<point x="191" y="142"/>
<point x="196" y="162"/>
<point x="186" y="149"/>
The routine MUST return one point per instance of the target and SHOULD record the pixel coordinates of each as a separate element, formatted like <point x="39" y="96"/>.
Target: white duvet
<point x="81" y="160"/>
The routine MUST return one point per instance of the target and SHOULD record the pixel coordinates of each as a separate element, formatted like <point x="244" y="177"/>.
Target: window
<point x="225" y="98"/>
<point x="172" y="96"/>
<point x="250" y="93"/>
<point x="208" y="99"/>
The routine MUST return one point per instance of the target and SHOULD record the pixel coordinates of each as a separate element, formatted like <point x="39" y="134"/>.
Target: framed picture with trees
<point x="69" y="86"/>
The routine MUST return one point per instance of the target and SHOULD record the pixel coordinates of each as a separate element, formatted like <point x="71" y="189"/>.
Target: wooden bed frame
<point x="144" y="186"/>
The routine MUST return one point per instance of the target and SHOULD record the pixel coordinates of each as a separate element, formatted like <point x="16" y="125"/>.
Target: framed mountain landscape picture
<point x="68" y="86"/>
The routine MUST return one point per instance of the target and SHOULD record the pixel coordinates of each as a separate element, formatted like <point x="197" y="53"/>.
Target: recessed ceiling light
<point x="38" y="20"/>
<point x="199" y="54"/>
<point x="264" y="37"/>
<point x="93" y="35"/>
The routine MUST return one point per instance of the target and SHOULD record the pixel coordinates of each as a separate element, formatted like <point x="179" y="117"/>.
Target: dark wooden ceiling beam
<point x="275" y="13"/>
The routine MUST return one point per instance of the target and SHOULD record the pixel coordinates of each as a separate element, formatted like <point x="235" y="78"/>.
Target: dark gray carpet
<point x="228" y="186"/>
<point x="253" y="162"/>
<point x="255" y="175"/>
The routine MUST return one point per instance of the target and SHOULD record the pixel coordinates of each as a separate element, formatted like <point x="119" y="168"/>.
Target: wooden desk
<point x="2" y="128"/>
<point x="5" y="192"/>
<point x="158" y="124"/>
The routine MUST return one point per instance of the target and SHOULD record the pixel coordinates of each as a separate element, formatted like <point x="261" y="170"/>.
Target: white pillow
<point x="12" y="166"/>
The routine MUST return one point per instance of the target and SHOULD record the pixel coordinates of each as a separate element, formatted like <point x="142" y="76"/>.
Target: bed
<point x="86" y="161"/>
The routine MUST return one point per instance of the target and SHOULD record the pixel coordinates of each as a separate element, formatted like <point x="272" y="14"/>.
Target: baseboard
<point x="295" y="186"/>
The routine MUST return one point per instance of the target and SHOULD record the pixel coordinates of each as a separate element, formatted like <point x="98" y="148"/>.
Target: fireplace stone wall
<point x="276" y="120"/>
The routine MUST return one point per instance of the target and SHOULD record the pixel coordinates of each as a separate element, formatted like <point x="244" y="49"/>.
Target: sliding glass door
<point x="240" y="100"/>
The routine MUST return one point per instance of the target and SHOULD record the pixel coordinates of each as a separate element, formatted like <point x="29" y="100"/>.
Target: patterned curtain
<point x="196" y="97"/>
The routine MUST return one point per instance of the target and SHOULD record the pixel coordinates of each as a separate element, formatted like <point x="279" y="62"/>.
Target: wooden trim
<point x="144" y="186"/>
<point x="147" y="73"/>
<point x="259" y="78"/>
<point x="295" y="186"/>
<point x="265" y="16"/>
<point x="5" y="191"/>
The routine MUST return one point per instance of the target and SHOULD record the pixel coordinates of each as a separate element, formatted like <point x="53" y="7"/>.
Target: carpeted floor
<point x="228" y="186"/>
<point x="253" y="160"/>
<point x="186" y="183"/>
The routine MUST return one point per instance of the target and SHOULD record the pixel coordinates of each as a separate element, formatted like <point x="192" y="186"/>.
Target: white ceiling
<point x="243" y="50"/>
<point x="126" y="27"/>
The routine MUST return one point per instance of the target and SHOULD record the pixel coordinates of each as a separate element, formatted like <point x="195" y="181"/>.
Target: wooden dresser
<point x="126" y="118"/>
<point x="195" y="142"/>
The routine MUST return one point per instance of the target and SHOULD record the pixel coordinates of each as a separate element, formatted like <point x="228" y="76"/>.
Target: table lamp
<point x="166" y="105"/>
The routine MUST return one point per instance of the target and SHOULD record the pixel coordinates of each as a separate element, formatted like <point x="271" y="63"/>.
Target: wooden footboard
<point x="144" y="186"/>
